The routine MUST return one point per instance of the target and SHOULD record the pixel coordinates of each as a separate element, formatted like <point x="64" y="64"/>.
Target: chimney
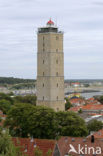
<point x="92" y="139"/>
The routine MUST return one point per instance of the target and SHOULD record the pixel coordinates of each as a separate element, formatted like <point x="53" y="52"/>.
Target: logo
<point x="85" y="150"/>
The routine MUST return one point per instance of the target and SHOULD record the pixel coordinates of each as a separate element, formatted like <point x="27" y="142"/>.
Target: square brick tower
<point x="50" y="67"/>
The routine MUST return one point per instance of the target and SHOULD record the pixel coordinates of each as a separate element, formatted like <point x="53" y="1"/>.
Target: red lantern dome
<point x="50" y="22"/>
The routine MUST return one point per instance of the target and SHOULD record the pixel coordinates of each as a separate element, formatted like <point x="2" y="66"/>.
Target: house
<point x="28" y="146"/>
<point x="98" y="134"/>
<point x="77" y="101"/>
<point x="80" y="146"/>
<point x="89" y="108"/>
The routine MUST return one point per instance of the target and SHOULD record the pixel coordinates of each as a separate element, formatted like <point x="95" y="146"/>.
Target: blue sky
<point x="81" y="21"/>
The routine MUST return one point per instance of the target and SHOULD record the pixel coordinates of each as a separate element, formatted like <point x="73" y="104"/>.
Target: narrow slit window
<point x="57" y="37"/>
<point x="43" y="73"/>
<point x="57" y="97"/>
<point x="43" y="84"/>
<point x="43" y="97"/>
<point x="56" y="73"/>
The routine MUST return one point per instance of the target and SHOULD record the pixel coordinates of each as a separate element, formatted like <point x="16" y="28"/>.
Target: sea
<point x="91" y="94"/>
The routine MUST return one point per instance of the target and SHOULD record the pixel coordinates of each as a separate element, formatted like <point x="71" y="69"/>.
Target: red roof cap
<point x="50" y="22"/>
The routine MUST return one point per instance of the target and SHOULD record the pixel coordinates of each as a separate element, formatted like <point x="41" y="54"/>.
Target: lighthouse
<point x="50" y="67"/>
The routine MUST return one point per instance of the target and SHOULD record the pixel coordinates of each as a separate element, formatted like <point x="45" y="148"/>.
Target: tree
<point x="5" y="105"/>
<point x="80" y="111"/>
<point x="67" y="104"/>
<point x="6" y="97"/>
<point x="31" y="99"/>
<point x="7" y="147"/>
<point x="38" y="121"/>
<point x="70" y="124"/>
<point x="101" y="99"/>
<point x="43" y="122"/>
<point x="94" y="125"/>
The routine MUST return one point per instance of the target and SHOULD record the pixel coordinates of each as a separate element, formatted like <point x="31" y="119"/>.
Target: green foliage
<point x="7" y="147"/>
<point x="49" y="152"/>
<point x="11" y="80"/>
<point x="38" y="152"/>
<point x="5" y="105"/>
<point x="43" y="122"/>
<point x="6" y="101"/>
<point x="67" y="104"/>
<point x="94" y="125"/>
<point x="24" y="119"/>
<point x="101" y="99"/>
<point x="6" y="97"/>
<point x="23" y="86"/>
<point x="70" y="124"/>
<point x="80" y="111"/>
<point x="31" y="99"/>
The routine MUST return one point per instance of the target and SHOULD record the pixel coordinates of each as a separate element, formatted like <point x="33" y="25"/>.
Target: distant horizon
<point x="35" y="79"/>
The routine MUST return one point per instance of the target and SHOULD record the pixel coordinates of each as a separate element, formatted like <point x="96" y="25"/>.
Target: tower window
<point x="43" y="84"/>
<point x="56" y="61"/>
<point x="43" y="73"/>
<point x="57" y="37"/>
<point x="57" y="84"/>
<point x="56" y="73"/>
<point x="56" y="50"/>
<point x="57" y="109"/>
<point x="43" y="97"/>
<point x="43" y="61"/>
<point x="57" y="97"/>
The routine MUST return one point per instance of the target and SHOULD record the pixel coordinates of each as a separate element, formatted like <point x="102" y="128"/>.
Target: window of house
<point x="43" y="97"/>
<point x="57" y="84"/>
<point x="43" y="73"/>
<point x="43" y="61"/>
<point x="57" y="97"/>
<point x="43" y="84"/>
<point x="56" y="73"/>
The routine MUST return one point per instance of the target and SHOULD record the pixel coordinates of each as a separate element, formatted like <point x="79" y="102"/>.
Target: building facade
<point x="50" y="67"/>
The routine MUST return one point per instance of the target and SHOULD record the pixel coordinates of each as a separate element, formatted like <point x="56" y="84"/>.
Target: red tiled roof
<point x="98" y="134"/>
<point x="87" y="107"/>
<point x="77" y="100"/>
<point x="64" y="144"/>
<point x="91" y="99"/>
<point x="75" y="109"/>
<point x="92" y="107"/>
<point x="42" y="144"/>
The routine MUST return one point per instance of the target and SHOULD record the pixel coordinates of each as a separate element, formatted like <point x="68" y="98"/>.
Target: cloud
<point x="81" y="21"/>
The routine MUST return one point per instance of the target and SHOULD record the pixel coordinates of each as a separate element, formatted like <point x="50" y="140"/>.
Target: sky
<point x="81" y="21"/>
